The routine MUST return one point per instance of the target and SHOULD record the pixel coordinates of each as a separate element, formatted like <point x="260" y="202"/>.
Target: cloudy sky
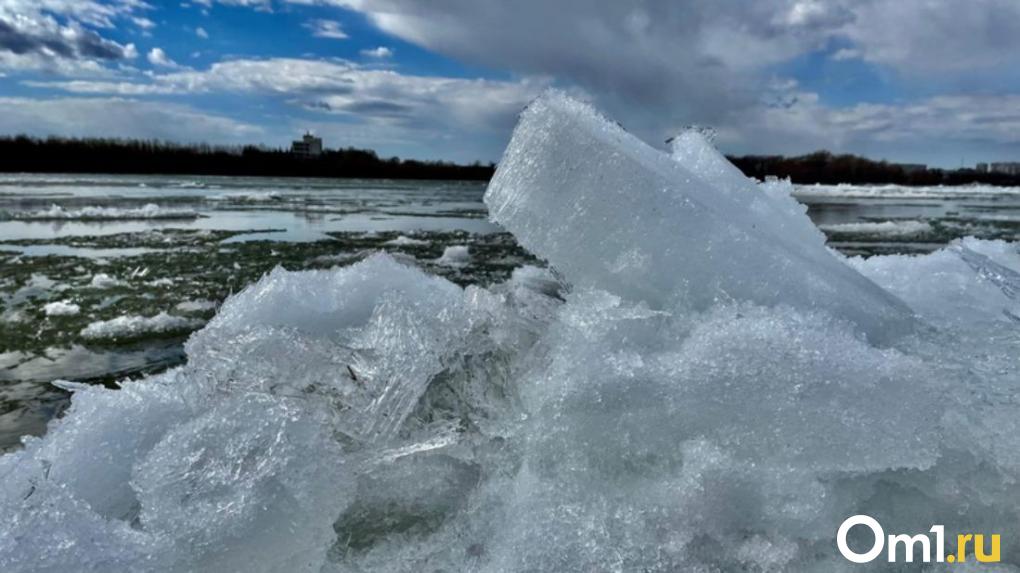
<point x="932" y="81"/>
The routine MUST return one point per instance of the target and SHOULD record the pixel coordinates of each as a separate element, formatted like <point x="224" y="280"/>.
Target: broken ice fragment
<point x="610" y="212"/>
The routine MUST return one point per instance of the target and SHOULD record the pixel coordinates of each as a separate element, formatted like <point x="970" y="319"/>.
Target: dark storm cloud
<point x="682" y="58"/>
<point x="20" y="43"/>
<point x="374" y="107"/>
<point x="658" y="64"/>
<point x="91" y="45"/>
<point x="66" y="42"/>
<point x="594" y="40"/>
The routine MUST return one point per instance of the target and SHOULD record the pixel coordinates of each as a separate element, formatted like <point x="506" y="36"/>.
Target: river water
<point x="104" y="277"/>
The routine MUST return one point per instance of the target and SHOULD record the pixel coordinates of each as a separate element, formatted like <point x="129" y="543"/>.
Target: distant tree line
<point x="62" y="155"/>
<point x="825" y="167"/>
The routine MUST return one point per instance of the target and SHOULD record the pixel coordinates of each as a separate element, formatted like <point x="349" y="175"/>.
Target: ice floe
<point x="136" y="326"/>
<point x="61" y="308"/>
<point x="58" y="213"/>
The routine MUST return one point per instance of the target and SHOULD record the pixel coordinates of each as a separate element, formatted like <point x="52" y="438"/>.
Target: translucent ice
<point x="771" y="203"/>
<point x="610" y="212"/>
<point x="371" y="339"/>
<point x="671" y="394"/>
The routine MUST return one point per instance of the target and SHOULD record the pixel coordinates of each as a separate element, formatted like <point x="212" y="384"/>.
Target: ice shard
<point x="608" y="211"/>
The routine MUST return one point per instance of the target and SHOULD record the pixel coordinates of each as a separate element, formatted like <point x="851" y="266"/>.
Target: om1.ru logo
<point x="977" y="541"/>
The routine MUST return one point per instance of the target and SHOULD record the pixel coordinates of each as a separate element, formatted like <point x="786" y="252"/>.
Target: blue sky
<point x="908" y="80"/>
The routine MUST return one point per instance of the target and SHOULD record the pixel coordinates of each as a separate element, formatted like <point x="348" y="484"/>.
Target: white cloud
<point x="660" y="63"/>
<point x="120" y="117"/>
<point x="201" y="33"/>
<point x="653" y="64"/>
<point x="648" y="63"/>
<point x="380" y="52"/>
<point x="262" y="5"/>
<point x="63" y="35"/>
<point x="694" y="61"/>
<point x="123" y="88"/>
<point x="473" y="117"/>
<point x="477" y="115"/>
<point x="931" y="35"/>
<point x="143" y="23"/>
<point x="326" y="29"/>
<point x="844" y="54"/>
<point x="158" y="57"/>
<point x="937" y="36"/>
<point x="334" y="86"/>
<point x="935" y="129"/>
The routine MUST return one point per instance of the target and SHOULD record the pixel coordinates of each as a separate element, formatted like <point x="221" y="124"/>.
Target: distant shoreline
<point x="22" y="154"/>
<point x="823" y="167"/>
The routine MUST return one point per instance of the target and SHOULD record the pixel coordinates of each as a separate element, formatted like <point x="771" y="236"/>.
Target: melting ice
<point x="696" y="383"/>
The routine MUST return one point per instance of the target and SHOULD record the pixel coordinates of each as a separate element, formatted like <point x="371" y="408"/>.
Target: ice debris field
<point x="697" y="384"/>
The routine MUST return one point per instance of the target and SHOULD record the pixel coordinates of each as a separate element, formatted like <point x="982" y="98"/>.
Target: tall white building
<point x="307" y="146"/>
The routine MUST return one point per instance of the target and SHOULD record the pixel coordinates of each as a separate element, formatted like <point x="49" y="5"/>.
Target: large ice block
<point x="610" y="212"/>
<point x="769" y="201"/>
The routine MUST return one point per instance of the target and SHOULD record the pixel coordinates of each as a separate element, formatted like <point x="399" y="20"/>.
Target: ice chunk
<point x="170" y="475"/>
<point x="196" y="305"/>
<point x="404" y="241"/>
<point x="771" y="201"/>
<point x="135" y="326"/>
<point x="61" y="308"/>
<point x="455" y="256"/>
<point x="372" y="336"/>
<point x="290" y="402"/>
<point x="103" y="280"/>
<point x="647" y="433"/>
<point x="885" y="228"/>
<point x="1000" y="275"/>
<point x="609" y="212"/>
<point x="964" y="288"/>
<point x="250" y="485"/>
<point x="148" y="211"/>
<point x="377" y="418"/>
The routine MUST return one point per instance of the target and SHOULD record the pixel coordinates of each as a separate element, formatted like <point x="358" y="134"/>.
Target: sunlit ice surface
<point x="695" y="382"/>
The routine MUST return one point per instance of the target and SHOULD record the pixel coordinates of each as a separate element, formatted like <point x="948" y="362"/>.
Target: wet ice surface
<point x="703" y="397"/>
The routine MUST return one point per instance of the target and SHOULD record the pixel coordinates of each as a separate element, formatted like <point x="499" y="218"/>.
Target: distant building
<point x="982" y="168"/>
<point x="912" y="168"/>
<point x="307" y="146"/>
<point x="1005" y="168"/>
